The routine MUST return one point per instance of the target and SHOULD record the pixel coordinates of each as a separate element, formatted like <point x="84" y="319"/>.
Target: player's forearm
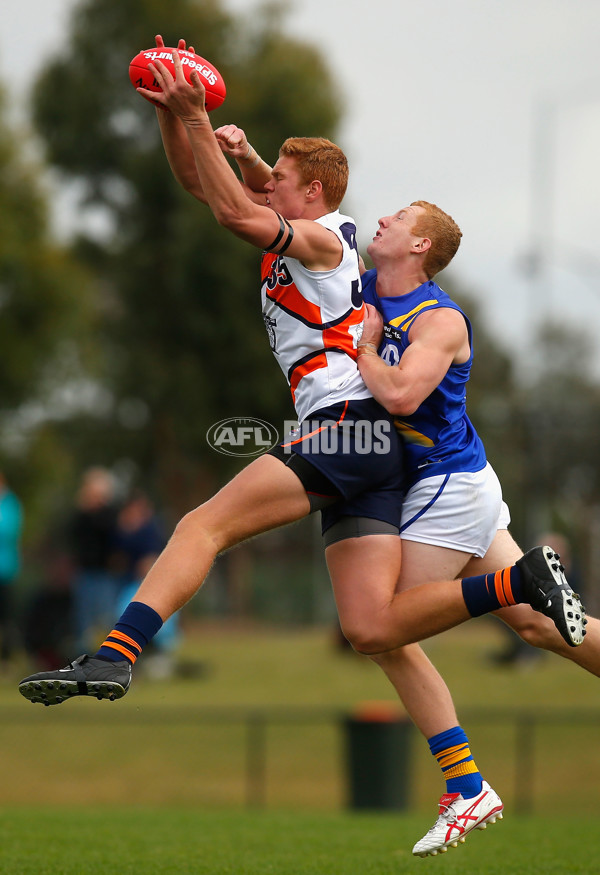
<point x="255" y="172"/>
<point x="179" y="153"/>
<point x="222" y="189"/>
<point x="384" y="383"/>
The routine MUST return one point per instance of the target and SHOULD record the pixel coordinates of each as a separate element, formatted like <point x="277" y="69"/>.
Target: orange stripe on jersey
<point x="130" y="656"/>
<point x="288" y="295"/>
<point x="295" y="303"/>
<point x="317" y="430"/>
<point x="339" y="337"/>
<point x="313" y="364"/>
<point x="285" y="293"/>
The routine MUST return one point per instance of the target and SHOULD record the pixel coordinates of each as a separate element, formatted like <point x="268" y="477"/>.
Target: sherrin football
<point x="141" y="77"/>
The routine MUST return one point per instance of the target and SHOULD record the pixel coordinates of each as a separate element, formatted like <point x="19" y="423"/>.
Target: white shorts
<point x="460" y="511"/>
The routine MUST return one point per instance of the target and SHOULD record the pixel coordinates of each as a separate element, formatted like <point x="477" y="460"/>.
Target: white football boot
<point x="457" y="817"/>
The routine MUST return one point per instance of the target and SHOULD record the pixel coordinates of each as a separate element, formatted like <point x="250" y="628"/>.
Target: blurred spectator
<point x="139" y="539"/>
<point x="90" y="535"/>
<point x="11" y="524"/>
<point x="47" y="620"/>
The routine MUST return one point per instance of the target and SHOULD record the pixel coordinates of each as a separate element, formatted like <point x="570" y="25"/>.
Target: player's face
<point x="394" y="237"/>
<point x="285" y="191"/>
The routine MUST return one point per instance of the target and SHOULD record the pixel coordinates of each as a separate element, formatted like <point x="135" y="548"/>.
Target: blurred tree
<point x="182" y="331"/>
<point x="559" y="429"/>
<point x="46" y="328"/>
<point x="540" y="431"/>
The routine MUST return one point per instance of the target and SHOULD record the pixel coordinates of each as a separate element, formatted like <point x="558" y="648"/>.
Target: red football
<point x="141" y="77"/>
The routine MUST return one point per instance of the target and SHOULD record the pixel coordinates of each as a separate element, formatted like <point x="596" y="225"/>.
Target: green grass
<point x="131" y="841"/>
<point x="166" y="741"/>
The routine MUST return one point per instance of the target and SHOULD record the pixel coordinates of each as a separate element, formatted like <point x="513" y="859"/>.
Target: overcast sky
<point x="490" y="108"/>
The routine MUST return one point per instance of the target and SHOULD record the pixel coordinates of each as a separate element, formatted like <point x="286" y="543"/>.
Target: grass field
<point x="134" y="841"/>
<point x="178" y="780"/>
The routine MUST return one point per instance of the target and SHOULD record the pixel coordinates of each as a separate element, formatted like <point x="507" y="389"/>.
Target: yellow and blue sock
<point x="136" y="626"/>
<point x="451" y="750"/>
<point x="488" y="592"/>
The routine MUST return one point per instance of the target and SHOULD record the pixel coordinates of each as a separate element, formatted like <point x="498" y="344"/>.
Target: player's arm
<point x="183" y="165"/>
<point x="438" y="339"/>
<point x="181" y="158"/>
<point x="179" y="154"/>
<point x="176" y="144"/>
<point x="311" y="243"/>
<point x="255" y="171"/>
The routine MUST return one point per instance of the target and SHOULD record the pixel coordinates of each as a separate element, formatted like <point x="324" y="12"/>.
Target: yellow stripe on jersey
<point x="408" y="317"/>
<point x="412" y="436"/>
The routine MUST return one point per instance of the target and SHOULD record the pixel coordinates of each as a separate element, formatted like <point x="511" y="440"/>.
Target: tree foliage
<point x="540" y="432"/>
<point x="177" y="297"/>
<point x="46" y="325"/>
<point x="181" y="326"/>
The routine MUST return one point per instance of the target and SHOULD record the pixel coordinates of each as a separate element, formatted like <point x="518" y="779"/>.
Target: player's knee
<point x="195" y="528"/>
<point x="366" y="638"/>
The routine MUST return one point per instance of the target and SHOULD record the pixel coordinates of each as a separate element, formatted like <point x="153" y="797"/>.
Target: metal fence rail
<point x="523" y="726"/>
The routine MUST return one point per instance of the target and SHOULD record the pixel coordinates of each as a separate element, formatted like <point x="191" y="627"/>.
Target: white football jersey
<point x="314" y="320"/>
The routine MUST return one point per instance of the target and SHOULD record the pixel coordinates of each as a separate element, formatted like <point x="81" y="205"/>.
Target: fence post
<point x="524" y="762"/>
<point x="256" y="759"/>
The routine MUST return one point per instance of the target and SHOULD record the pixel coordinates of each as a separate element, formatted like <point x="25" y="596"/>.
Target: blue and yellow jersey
<point x="439" y="437"/>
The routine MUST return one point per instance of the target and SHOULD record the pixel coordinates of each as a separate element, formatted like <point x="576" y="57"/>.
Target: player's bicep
<point x="317" y="247"/>
<point x="257" y="224"/>
<point x="433" y="347"/>
<point x="424" y="366"/>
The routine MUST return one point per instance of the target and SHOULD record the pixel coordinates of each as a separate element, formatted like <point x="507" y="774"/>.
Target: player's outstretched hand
<point x="233" y="141"/>
<point x="160" y="44"/>
<point x="186" y="100"/>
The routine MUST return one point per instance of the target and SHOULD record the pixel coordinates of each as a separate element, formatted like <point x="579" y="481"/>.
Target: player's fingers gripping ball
<point x="142" y="77"/>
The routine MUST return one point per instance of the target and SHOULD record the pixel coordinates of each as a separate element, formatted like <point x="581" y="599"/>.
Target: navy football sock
<point x="488" y="592"/>
<point x="136" y="626"/>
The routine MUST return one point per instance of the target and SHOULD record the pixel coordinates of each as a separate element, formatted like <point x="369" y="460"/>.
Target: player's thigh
<point x="264" y="495"/>
<point x="425" y="563"/>
<point x="503" y="551"/>
<point x="364" y="575"/>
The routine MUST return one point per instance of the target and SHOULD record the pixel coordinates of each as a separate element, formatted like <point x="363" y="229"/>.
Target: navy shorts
<point x="355" y="446"/>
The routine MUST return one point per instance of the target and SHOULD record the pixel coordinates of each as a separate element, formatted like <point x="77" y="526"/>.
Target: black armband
<point x="279" y="235"/>
<point x="283" y="223"/>
<point x="289" y="239"/>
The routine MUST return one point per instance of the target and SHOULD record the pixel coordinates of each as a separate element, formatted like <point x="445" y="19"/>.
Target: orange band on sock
<point x="127" y="653"/>
<point x="499" y="584"/>
<point x="510" y="599"/>
<point x="123" y="637"/>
